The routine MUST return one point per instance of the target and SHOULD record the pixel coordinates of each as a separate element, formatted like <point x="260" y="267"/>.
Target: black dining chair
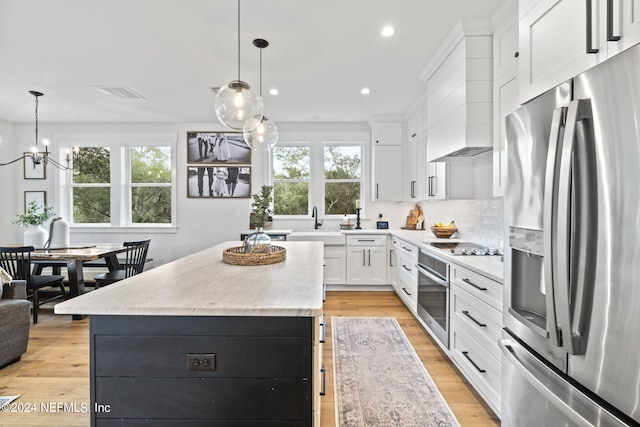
<point x="135" y="257"/>
<point x="17" y="262"/>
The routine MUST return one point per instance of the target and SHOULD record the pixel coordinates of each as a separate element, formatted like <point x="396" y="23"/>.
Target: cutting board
<point x="413" y="218"/>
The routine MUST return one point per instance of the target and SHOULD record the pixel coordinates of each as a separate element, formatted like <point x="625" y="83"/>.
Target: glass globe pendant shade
<point x="236" y="103"/>
<point x="260" y="133"/>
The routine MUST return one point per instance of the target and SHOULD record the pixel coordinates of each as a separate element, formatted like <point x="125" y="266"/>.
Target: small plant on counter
<point x="35" y="215"/>
<point x="261" y="212"/>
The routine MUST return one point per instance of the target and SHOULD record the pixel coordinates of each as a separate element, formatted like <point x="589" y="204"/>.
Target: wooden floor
<point x="55" y="369"/>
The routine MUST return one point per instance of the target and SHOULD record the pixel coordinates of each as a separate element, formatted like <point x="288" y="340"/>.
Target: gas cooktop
<point x="465" y="248"/>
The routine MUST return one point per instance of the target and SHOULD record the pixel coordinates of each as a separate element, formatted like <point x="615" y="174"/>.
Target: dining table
<point x="75" y="258"/>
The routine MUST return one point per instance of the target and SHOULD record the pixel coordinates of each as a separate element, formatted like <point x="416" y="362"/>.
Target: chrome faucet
<point x="314" y="215"/>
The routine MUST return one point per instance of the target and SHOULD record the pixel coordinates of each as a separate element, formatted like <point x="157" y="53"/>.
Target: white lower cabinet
<point x="476" y="324"/>
<point x="335" y="265"/>
<point x="406" y="285"/>
<point x="367" y="260"/>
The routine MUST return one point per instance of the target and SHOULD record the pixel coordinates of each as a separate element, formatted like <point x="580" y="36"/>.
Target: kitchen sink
<point x="329" y="237"/>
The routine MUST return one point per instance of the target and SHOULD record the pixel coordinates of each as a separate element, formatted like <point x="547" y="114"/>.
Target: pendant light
<point x="260" y="133"/>
<point x="235" y="102"/>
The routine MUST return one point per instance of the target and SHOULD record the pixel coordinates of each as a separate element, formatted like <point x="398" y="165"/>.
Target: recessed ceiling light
<point x="365" y="91"/>
<point x="273" y="91"/>
<point x="387" y="31"/>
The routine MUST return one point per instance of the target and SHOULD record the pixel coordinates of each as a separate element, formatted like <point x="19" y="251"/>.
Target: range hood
<point x="459" y="81"/>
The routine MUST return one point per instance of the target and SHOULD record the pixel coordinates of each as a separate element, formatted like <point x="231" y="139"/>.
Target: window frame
<point x="317" y="180"/>
<point x="120" y="176"/>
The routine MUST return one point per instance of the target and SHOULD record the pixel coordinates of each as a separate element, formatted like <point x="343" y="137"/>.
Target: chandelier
<point x="38" y="157"/>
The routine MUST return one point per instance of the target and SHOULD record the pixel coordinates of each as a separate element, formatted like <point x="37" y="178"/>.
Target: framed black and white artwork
<point x="40" y="197"/>
<point x="219" y="181"/>
<point x="217" y="147"/>
<point x="31" y="170"/>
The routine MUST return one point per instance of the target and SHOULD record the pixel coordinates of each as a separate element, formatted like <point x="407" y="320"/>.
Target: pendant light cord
<point x="261" y="72"/>
<point x="36" y="123"/>
<point x="238" y="39"/>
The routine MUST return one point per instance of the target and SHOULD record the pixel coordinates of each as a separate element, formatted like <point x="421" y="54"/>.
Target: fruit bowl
<point x="443" y="232"/>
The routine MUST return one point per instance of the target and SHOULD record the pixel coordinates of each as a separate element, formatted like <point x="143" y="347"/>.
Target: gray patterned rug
<point x="379" y="379"/>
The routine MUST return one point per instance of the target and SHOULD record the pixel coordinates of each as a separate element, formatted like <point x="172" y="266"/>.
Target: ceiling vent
<point x="119" y="92"/>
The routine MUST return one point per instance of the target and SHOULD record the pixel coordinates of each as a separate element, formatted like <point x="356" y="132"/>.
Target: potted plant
<point x="260" y="214"/>
<point x="32" y="219"/>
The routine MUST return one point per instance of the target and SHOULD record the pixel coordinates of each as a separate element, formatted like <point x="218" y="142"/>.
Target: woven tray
<point x="260" y="255"/>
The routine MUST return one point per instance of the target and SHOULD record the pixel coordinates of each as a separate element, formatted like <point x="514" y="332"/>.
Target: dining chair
<point x="135" y="257"/>
<point x="17" y="262"/>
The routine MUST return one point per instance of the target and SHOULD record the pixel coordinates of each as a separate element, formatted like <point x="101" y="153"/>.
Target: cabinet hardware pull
<point x="369" y="250"/>
<point x="610" y="36"/>
<point x="474" y="285"/>
<point x="517" y="54"/>
<point x="590" y="48"/>
<point x="377" y="196"/>
<point x="391" y="252"/>
<point x="323" y="325"/>
<point x="323" y="389"/>
<point x="407" y="249"/>
<point x="466" y="354"/>
<point x="466" y="313"/>
<point x="406" y="268"/>
<point x="366" y="240"/>
<point x="363" y="257"/>
<point x="405" y="291"/>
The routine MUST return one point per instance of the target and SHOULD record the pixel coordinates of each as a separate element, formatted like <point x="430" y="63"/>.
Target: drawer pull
<point x="323" y="389"/>
<point x="407" y="249"/>
<point x="474" y="285"/>
<point x="405" y="291"/>
<point x="466" y="354"/>
<point x="323" y="332"/>
<point x="366" y="240"/>
<point x="406" y="268"/>
<point x="466" y="313"/>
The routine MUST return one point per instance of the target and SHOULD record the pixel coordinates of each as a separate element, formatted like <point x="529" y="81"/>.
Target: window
<point x="119" y="181"/>
<point x="342" y="174"/>
<point x="327" y="175"/>
<point x="291" y="174"/>
<point x="150" y="185"/>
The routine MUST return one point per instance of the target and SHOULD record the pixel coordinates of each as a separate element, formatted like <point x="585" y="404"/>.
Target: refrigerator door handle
<point x="542" y="379"/>
<point x="549" y="221"/>
<point x="575" y="217"/>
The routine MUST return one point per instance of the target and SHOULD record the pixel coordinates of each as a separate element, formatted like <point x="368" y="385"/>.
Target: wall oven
<point x="433" y="294"/>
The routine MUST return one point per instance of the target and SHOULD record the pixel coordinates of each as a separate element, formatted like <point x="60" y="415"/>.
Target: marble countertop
<point x="201" y="284"/>
<point x="490" y="266"/>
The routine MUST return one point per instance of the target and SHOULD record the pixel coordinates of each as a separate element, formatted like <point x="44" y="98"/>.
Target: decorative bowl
<point x="443" y="232"/>
<point x="347" y="226"/>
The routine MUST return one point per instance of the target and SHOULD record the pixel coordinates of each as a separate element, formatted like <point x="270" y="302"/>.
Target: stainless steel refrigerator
<point x="571" y="342"/>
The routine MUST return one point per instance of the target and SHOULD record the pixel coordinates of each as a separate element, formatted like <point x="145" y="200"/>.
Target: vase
<point x="35" y="236"/>
<point x="255" y="239"/>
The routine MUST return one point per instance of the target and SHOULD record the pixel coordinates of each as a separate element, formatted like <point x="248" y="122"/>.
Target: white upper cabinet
<point x="505" y="86"/>
<point x="386" y="133"/>
<point x="562" y="38"/>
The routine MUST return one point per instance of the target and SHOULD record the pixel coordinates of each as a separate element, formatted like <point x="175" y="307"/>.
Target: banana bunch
<point x="441" y="225"/>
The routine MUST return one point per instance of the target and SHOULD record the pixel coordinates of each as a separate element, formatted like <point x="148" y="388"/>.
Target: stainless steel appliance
<point x="433" y="294"/>
<point x="572" y="276"/>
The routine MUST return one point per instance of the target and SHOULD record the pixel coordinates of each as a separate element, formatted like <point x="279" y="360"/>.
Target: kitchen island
<point x="216" y="344"/>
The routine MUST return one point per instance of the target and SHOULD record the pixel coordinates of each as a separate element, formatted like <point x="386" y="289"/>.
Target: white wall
<point x="8" y="176"/>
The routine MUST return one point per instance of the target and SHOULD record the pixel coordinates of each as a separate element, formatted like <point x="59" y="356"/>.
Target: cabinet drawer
<point x="407" y="268"/>
<point x="482" y="321"/>
<point x="205" y="398"/>
<point x="480" y="368"/>
<point x="408" y="293"/>
<point x="406" y="249"/>
<point x="478" y="285"/>
<point x="367" y="240"/>
<point x="166" y="356"/>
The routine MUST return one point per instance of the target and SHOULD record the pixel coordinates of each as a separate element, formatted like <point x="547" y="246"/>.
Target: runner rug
<point x="379" y="379"/>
